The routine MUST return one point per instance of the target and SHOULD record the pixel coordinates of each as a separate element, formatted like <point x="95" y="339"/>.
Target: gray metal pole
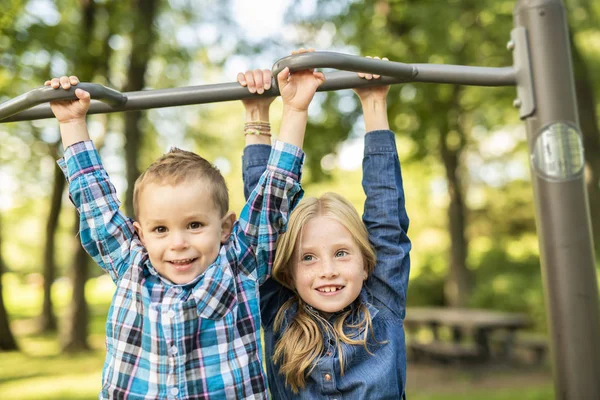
<point x="29" y="105"/>
<point x="562" y="209"/>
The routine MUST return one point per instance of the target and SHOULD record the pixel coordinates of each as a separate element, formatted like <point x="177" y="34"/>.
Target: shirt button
<point x="327" y="377"/>
<point x="174" y="350"/>
<point x="328" y="354"/>
<point x="174" y="391"/>
<point x="171" y="314"/>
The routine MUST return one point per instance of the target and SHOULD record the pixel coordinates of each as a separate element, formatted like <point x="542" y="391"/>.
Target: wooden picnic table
<point x="475" y="324"/>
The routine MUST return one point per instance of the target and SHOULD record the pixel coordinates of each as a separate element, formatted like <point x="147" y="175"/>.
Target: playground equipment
<point x="543" y="76"/>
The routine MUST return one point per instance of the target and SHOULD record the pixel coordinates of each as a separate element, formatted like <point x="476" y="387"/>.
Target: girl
<point x="332" y="316"/>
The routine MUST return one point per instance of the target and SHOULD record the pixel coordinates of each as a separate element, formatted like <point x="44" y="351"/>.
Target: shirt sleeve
<point x="272" y="293"/>
<point x="386" y="220"/>
<point x="105" y="232"/>
<point x="266" y="213"/>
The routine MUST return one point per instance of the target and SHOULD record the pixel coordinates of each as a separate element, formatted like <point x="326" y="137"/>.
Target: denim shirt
<point x="381" y="374"/>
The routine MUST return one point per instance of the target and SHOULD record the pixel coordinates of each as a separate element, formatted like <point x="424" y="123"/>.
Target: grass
<point x="41" y="372"/>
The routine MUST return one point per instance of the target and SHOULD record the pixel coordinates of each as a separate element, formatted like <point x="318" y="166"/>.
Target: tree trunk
<point x="586" y="108"/>
<point x="7" y="340"/>
<point x="457" y="288"/>
<point x="47" y="318"/>
<point x="76" y="329"/>
<point x="143" y="36"/>
<point x="76" y="332"/>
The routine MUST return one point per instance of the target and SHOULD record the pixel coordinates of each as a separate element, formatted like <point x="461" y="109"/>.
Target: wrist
<point x="73" y="131"/>
<point x="292" y="111"/>
<point x="374" y="103"/>
<point x="257" y="113"/>
<point x="293" y="126"/>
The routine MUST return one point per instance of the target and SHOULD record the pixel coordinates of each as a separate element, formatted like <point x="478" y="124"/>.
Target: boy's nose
<point x="178" y="241"/>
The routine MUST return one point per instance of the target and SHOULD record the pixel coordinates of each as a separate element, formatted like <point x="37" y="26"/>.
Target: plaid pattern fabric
<point x="195" y="341"/>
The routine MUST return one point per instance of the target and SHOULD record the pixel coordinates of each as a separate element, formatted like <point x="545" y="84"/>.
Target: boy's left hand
<point x="298" y="88"/>
<point x="67" y="111"/>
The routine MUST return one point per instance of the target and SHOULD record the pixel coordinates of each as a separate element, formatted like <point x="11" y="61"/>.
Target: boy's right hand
<point x="67" y="111"/>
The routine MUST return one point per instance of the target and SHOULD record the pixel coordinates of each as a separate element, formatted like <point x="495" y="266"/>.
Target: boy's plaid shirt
<point x="194" y="341"/>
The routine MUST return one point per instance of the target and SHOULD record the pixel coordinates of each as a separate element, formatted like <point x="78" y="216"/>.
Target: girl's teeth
<point x="329" y="289"/>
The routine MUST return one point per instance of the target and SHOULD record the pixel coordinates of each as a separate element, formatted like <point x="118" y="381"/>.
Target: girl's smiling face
<point x="328" y="268"/>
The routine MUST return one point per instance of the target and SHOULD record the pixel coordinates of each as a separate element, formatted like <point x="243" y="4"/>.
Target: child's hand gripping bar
<point x="47" y="94"/>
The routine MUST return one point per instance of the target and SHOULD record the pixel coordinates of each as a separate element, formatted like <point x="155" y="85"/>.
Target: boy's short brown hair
<point x="177" y="166"/>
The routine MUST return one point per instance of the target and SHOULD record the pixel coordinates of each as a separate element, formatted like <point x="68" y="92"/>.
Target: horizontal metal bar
<point x="393" y="72"/>
<point x="433" y="73"/>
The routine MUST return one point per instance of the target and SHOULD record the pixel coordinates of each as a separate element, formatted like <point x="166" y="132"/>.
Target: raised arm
<point x="266" y="213"/>
<point x="257" y="128"/>
<point x="254" y="163"/>
<point x="385" y="213"/>
<point x="104" y="231"/>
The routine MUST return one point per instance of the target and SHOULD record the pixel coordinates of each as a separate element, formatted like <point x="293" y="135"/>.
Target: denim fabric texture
<point x="381" y="374"/>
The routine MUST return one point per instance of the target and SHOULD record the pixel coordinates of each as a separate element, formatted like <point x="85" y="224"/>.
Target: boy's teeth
<point x="186" y="261"/>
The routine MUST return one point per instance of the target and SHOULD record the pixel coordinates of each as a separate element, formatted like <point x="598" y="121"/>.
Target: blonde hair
<point x="176" y="167"/>
<point x="301" y="343"/>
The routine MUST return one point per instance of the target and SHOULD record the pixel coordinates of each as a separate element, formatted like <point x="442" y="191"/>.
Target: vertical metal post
<point x="562" y="209"/>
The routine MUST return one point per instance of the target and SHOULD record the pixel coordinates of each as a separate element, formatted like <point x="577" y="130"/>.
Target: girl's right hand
<point x="67" y="111"/>
<point x="257" y="81"/>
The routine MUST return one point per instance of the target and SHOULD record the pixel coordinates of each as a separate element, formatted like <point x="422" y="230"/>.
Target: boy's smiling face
<point x="181" y="228"/>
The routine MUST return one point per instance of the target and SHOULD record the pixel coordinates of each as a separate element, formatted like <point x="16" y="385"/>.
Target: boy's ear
<point x="227" y="225"/>
<point x="139" y="231"/>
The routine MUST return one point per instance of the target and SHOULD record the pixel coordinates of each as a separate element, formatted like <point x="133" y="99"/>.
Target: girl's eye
<point x="195" y="225"/>
<point x="160" y="229"/>
<point x="341" y="253"/>
<point x="307" y="257"/>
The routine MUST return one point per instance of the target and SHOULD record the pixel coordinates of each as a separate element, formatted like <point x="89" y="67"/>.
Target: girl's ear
<point x="139" y="231"/>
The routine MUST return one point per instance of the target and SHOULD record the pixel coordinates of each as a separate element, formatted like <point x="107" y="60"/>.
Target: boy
<point x="184" y="322"/>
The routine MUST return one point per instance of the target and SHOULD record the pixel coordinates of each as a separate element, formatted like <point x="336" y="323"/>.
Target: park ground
<point x="41" y="372"/>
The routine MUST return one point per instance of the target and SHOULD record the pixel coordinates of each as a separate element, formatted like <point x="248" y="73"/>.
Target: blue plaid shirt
<point x="195" y="341"/>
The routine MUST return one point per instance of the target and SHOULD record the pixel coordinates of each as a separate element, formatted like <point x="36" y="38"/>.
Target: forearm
<point x="386" y="219"/>
<point x="375" y="115"/>
<point x="73" y="132"/>
<point x="264" y="216"/>
<point x="105" y="232"/>
<point x="257" y="113"/>
<point x="293" y="126"/>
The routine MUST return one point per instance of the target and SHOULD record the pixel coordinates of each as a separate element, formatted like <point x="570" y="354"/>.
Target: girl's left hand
<point x="373" y="92"/>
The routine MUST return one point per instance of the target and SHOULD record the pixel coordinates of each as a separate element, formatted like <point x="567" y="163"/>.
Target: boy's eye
<point x="160" y="229"/>
<point x="341" y="253"/>
<point x="195" y="225"/>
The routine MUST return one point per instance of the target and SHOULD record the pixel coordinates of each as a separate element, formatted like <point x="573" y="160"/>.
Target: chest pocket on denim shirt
<point x="216" y="296"/>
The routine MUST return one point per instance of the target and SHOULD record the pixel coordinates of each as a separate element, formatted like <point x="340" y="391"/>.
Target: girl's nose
<point x="329" y="270"/>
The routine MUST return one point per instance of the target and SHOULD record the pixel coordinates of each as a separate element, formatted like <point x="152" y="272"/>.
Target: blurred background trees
<point x="463" y="149"/>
